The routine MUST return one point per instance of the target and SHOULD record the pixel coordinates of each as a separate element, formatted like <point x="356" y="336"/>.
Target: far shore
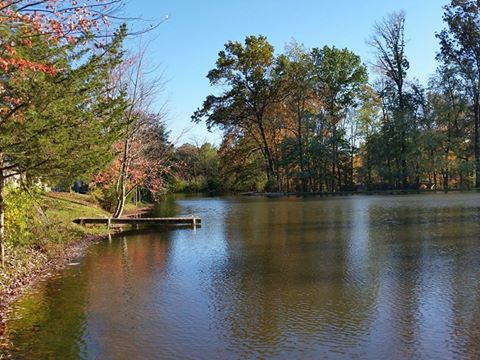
<point x="357" y="192"/>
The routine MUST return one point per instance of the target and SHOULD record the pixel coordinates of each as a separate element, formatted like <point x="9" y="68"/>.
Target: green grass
<point x="49" y="237"/>
<point x="75" y="198"/>
<point x="68" y="208"/>
<point x="52" y="231"/>
<point x="63" y="208"/>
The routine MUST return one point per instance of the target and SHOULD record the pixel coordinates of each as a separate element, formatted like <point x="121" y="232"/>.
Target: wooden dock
<point x="192" y="220"/>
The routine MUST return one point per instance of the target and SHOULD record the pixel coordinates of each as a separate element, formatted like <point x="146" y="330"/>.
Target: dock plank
<point x="140" y="221"/>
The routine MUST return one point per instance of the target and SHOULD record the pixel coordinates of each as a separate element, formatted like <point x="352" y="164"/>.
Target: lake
<point x="362" y="277"/>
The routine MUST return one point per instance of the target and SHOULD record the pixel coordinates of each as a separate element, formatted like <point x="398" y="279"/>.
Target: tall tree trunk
<point x="390" y="174"/>
<point x="369" y="171"/>
<point x="2" y="211"/>
<point x="334" y="159"/>
<point x="332" y="179"/>
<point x="351" y="171"/>
<point x="403" y="139"/>
<point x="477" y="142"/>
<point x="300" y="153"/>
<point x="445" y="180"/>
<point x="122" y="181"/>
<point x="446" y="175"/>
<point x="268" y="154"/>
<point x="339" y="177"/>
<point x="270" y="168"/>
<point x="121" y="195"/>
<point x="404" y="162"/>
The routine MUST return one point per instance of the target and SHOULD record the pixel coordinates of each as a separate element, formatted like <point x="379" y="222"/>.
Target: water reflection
<point x="360" y="277"/>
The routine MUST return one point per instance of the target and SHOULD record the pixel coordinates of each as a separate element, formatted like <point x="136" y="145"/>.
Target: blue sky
<point x="186" y="46"/>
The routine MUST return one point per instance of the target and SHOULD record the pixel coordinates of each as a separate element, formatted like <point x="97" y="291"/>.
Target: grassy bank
<point x="54" y="241"/>
<point x="53" y="232"/>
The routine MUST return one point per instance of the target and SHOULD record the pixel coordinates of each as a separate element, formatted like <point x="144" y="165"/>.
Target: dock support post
<point x="109" y="223"/>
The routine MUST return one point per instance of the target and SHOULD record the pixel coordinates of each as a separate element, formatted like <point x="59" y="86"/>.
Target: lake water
<point x="363" y="277"/>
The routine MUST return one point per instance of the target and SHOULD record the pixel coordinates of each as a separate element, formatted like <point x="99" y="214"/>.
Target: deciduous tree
<point x="460" y="48"/>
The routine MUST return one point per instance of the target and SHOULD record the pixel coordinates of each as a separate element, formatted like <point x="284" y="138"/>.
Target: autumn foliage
<point x="144" y="171"/>
<point x="22" y="21"/>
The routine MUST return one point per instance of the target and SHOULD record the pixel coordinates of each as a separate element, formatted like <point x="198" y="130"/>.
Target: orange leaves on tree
<point x="143" y="171"/>
<point x="8" y="64"/>
<point x="57" y="21"/>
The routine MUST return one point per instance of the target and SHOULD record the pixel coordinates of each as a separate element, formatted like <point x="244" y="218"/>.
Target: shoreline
<point x="138" y="211"/>
<point x="48" y="267"/>
<point x="45" y="267"/>
<point x="353" y="193"/>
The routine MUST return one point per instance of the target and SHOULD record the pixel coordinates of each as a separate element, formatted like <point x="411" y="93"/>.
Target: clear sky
<point x="186" y="46"/>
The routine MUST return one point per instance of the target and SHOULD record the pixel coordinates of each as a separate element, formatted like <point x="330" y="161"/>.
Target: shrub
<point x="22" y="210"/>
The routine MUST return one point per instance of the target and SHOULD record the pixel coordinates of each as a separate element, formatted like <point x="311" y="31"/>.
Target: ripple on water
<point x="351" y="278"/>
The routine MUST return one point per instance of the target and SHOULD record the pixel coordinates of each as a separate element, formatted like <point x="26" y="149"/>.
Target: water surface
<point x="364" y="277"/>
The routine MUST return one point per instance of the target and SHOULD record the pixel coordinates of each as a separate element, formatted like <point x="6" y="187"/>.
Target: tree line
<point x="75" y="105"/>
<point x="309" y="120"/>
